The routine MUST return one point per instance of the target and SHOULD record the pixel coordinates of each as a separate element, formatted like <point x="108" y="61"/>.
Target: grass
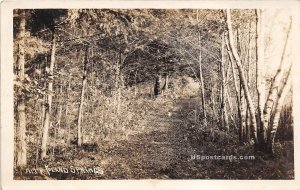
<point x="160" y="145"/>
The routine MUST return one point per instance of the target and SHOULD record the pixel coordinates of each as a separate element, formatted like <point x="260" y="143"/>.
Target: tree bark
<point x="278" y="107"/>
<point x="80" y="110"/>
<point x="243" y="110"/>
<point x="59" y="113"/>
<point x="223" y="88"/>
<point x="213" y="104"/>
<point x="49" y="98"/>
<point x="21" y="145"/>
<point x="67" y="113"/>
<point x="157" y="85"/>
<point x="243" y="104"/>
<point x="201" y="73"/>
<point x="166" y="84"/>
<point x="248" y="122"/>
<point x="59" y="109"/>
<point x="241" y="129"/>
<point x="230" y="108"/>
<point x="43" y="110"/>
<point x="119" y="101"/>
<point x="272" y="95"/>
<point x="242" y="77"/>
<point x="117" y="81"/>
<point x="119" y="85"/>
<point x="260" y="81"/>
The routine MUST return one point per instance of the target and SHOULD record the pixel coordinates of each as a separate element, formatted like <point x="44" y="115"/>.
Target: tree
<point x="277" y="111"/>
<point x="224" y="118"/>
<point x="83" y="87"/>
<point x="99" y="64"/>
<point x="242" y="77"/>
<point x="200" y="71"/>
<point x="237" y="94"/>
<point x="276" y="95"/>
<point x="51" y="17"/>
<point x="260" y="80"/>
<point x="21" y="145"/>
<point x="48" y="104"/>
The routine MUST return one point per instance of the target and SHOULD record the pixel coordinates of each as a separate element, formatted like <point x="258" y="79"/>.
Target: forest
<point x="153" y="94"/>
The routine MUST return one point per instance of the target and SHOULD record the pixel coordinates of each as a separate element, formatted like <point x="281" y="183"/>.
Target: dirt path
<point x="158" y="153"/>
<point x="162" y="149"/>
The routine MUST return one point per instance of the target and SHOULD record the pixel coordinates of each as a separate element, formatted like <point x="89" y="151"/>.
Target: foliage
<point x="128" y="50"/>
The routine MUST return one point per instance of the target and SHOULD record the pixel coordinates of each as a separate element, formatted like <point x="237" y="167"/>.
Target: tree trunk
<point x="119" y="101"/>
<point x="242" y="77"/>
<point x="243" y="111"/>
<point x="44" y="96"/>
<point x="59" y="113"/>
<point x="247" y="132"/>
<point x="80" y="110"/>
<point x="224" y="119"/>
<point x="278" y="107"/>
<point x="59" y="109"/>
<point x="43" y="110"/>
<point x="117" y="81"/>
<point x="213" y="104"/>
<point x="230" y="107"/>
<point x="241" y="129"/>
<point x="260" y="81"/>
<point x="243" y="104"/>
<point x="157" y="86"/>
<point x="166" y="84"/>
<point x="49" y="99"/>
<point x="248" y="121"/>
<point x="119" y="85"/>
<point x="67" y="113"/>
<point x="21" y="145"/>
<point x="272" y="95"/>
<point x="201" y="73"/>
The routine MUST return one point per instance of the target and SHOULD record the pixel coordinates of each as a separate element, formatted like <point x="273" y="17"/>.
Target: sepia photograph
<point x="152" y="93"/>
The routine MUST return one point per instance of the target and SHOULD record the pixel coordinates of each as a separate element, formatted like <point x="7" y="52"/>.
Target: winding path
<point x="159" y="152"/>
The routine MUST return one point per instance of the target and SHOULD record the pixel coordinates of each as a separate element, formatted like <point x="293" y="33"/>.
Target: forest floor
<point x="163" y="148"/>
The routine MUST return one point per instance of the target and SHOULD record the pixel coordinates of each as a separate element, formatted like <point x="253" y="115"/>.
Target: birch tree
<point x="237" y="94"/>
<point x="201" y="72"/>
<point x="48" y="103"/>
<point x="242" y="76"/>
<point x="21" y="149"/>
<point x="80" y="110"/>
<point x="260" y="79"/>
<point x="224" y="118"/>
<point x="277" y="111"/>
<point x="275" y="82"/>
<point x="276" y="95"/>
